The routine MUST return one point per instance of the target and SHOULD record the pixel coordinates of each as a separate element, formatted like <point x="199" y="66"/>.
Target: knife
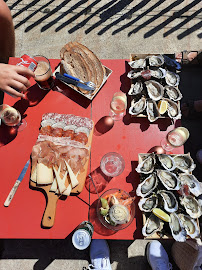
<point x="72" y="81"/>
<point x="16" y="185"/>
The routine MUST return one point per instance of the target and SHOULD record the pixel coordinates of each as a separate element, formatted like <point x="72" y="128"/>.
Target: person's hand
<point x="14" y="80"/>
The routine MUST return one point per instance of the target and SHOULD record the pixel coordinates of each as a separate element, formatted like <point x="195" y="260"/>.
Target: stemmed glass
<point x="175" y="138"/>
<point x="12" y="117"/>
<point x="118" y="106"/>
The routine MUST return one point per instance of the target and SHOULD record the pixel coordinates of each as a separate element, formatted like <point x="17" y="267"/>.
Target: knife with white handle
<point x="16" y="185"/>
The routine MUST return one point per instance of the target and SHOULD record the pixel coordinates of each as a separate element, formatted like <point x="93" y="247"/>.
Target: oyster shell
<point x="184" y="162"/>
<point x="195" y="187"/>
<point x="147" y="186"/>
<point x="173" y="109"/>
<point x="147" y="165"/>
<point x="156" y="60"/>
<point x="158" y="73"/>
<point x="191" y="205"/>
<point x="173" y="92"/>
<point x="152" y="110"/>
<point x="166" y="161"/>
<point x="190" y="226"/>
<point x="133" y="75"/>
<point x="155" y="90"/>
<point x="168" y="179"/>
<point x="138" y="106"/>
<point x="147" y="204"/>
<point x="169" y="201"/>
<point x="177" y="229"/>
<point x="136" y="88"/>
<point x="172" y="78"/>
<point x="152" y="225"/>
<point x="140" y="63"/>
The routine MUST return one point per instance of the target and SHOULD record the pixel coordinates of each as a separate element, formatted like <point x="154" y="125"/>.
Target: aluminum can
<point x="27" y="61"/>
<point x="82" y="236"/>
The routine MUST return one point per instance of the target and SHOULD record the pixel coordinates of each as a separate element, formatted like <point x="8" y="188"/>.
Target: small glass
<point x="175" y="138"/>
<point x="43" y="73"/>
<point x="12" y="117"/>
<point x="118" y="106"/>
<point x="112" y="164"/>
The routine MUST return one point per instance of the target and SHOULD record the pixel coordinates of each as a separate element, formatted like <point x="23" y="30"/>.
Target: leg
<point x="7" y="36"/>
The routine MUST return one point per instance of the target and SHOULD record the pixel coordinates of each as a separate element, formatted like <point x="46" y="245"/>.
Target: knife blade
<point x="16" y="185"/>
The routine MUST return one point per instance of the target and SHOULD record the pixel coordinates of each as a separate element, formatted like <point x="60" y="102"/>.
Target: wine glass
<point x="118" y="106"/>
<point x="112" y="164"/>
<point x="12" y="117"/>
<point x="175" y="138"/>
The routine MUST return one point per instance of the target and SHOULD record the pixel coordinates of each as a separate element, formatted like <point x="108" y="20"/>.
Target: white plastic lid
<point x="81" y="239"/>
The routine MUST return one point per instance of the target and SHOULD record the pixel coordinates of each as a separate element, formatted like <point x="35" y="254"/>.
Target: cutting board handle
<point x="49" y="213"/>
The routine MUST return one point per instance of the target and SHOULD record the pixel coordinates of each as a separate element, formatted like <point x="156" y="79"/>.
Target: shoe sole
<point x="147" y="253"/>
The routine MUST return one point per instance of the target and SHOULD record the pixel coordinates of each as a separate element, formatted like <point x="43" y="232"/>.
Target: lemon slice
<point x="162" y="106"/>
<point x="161" y="214"/>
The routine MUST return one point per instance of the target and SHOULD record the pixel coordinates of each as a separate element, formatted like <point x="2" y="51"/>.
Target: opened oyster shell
<point x="190" y="225"/>
<point x="191" y="205"/>
<point x="155" y="90"/>
<point x="148" y="204"/>
<point x="195" y="187"/>
<point x="138" y="106"/>
<point x="156" y="60"/>
<point x="147" y="165"/>
<point x="168" y="179"/>
<point x="173" y="92"/>
<point x="152" y="110"/>
<point x="173" y="109"/>
<point x="158" y="73"/>
<point x="170" y="203"/>
<point x="152" y="225"/>
<point x="147" y="186"/>
<point x="166" y="161"/>
<point x="177" y="229"/>
<point x="133" y="75"/>
<point x="140" y="63"/>
<point x="136" y="88"/>
<point x="172" y="78"/>
<point x="184" y="162"/>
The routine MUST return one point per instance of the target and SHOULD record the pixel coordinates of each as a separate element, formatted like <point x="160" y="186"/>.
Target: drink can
<point x="82" y="236"/>
<point x="27" y="61"/>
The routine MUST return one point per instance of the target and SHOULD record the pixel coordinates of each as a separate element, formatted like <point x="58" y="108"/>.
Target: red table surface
<point x="22" y="219"/>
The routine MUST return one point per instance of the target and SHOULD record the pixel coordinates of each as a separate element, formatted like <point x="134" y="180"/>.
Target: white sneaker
<point x="99" y="255"/>
<point x="157" y="256"/>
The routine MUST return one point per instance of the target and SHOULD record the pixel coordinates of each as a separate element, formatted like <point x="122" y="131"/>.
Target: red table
<point x="128" y="137"/>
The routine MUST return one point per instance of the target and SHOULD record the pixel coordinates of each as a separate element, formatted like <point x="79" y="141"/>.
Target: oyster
<point x="184" y="162"/>
<point x="138" y="106"/>
<point x="147" y="165"/>
<point x="190" y="225"/>
<point x="177" y="229"/>
<point x="158" y="73"/>
<point x="173" y="109"/>
<point x="152" y="110"/>
<point x="155" y="90"/>
<point x="152" y="225"/>
<point x="169" y="200"/>
<point x="136" y="88"/>
<point x="195" y="187"/>
<point x="133" y="75"/>
<point x="147" y="186"/>
<point x="156" y="60"/>
<point x="147" y="204"/>
<point x="172" y="78"/>
<point x="168" y="179"/>
<point x="192" y="206"/>
<point x="173" y="92"/>
<point x="140" y="63"/>
<point x="166" y="161"/>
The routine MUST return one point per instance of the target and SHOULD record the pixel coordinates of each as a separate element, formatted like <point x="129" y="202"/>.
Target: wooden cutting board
<point x="52" y="198"/>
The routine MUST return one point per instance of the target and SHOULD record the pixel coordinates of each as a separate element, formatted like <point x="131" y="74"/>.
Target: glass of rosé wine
<point x="12" y="117"/>
<point x="175" y="138"/>
<point x="118" y="106"/>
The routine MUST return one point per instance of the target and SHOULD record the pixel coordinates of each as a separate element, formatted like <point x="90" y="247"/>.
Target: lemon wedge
<point x="161" y="214"/>
<point x="162" y="106"/>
